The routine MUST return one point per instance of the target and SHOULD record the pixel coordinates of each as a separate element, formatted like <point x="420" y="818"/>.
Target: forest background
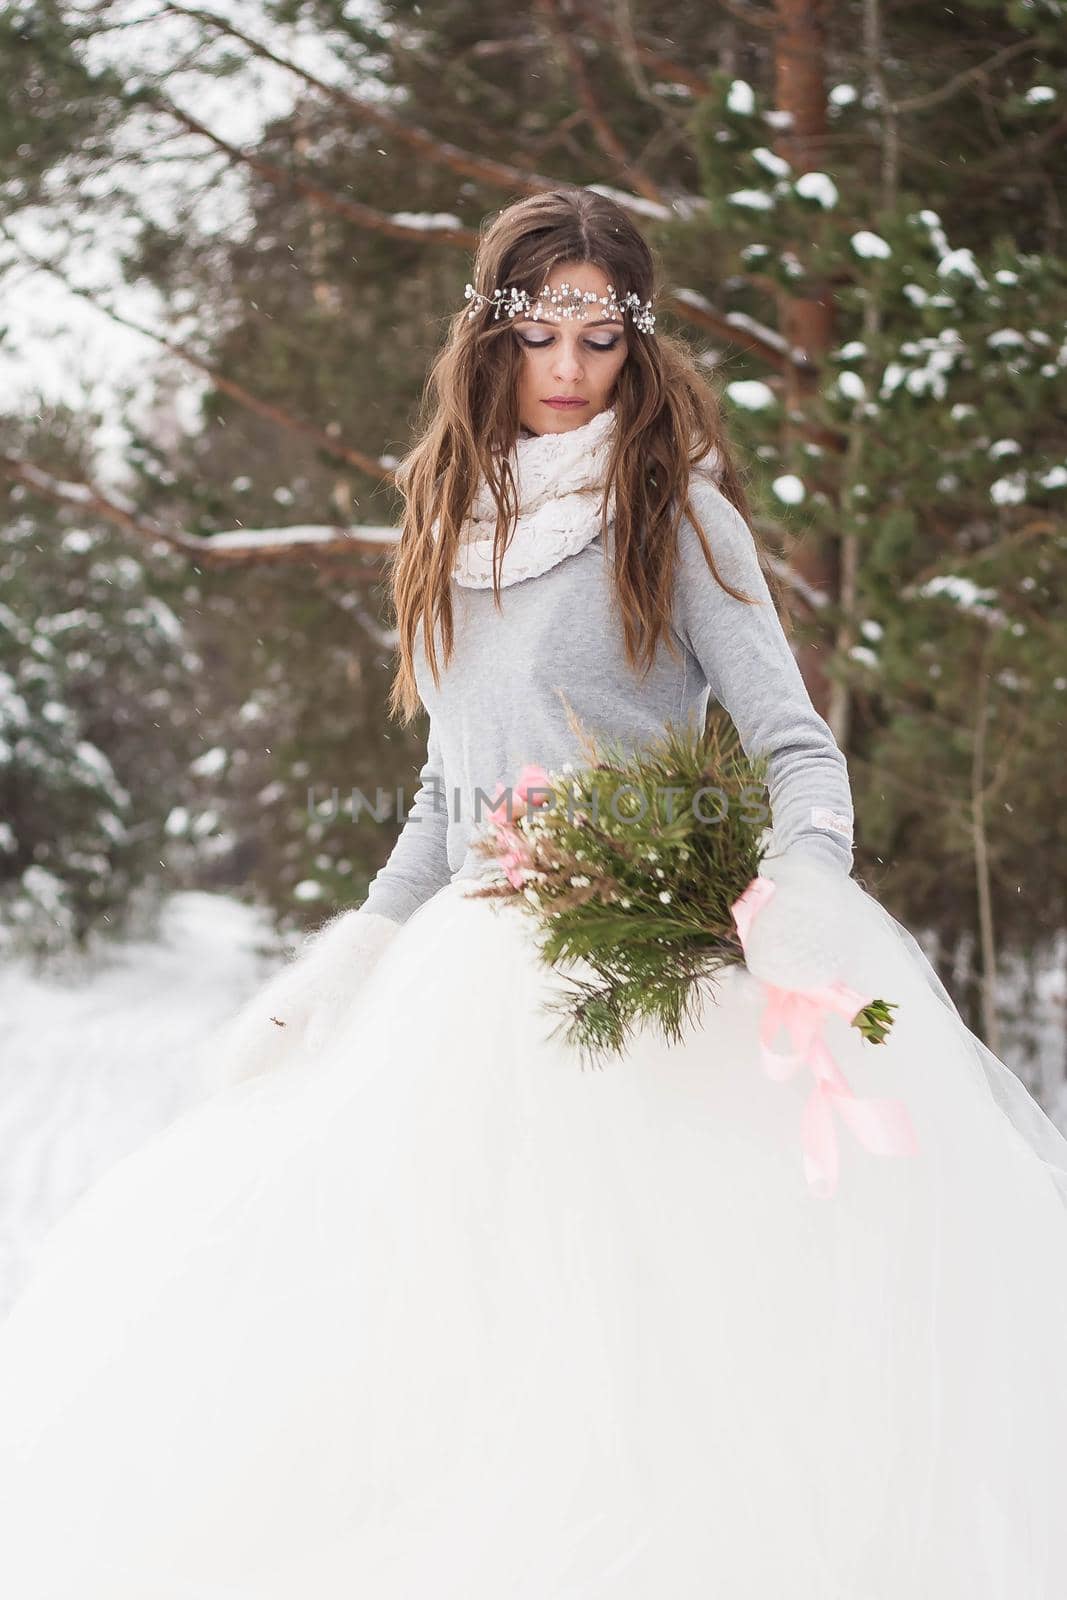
<point x="231" y="239"/>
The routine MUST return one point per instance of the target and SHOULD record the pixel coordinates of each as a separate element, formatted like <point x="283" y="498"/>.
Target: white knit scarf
<point x="559" y="480"/>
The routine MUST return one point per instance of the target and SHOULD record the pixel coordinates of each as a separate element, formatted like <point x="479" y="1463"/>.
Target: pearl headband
<point x="517" y="302"/>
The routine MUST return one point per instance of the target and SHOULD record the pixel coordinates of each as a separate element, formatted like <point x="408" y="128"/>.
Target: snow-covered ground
<point x="88" y="1071"/>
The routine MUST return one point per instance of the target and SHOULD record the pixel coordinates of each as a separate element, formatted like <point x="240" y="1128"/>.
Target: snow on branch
<point x="739" y="329"/>
<point x="239" y="547"/>
<point x="444" y="229"/>
<point x="287" y="543"/>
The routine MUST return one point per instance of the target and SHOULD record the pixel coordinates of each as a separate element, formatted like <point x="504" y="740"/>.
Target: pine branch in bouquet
<point x="631" y="866"/>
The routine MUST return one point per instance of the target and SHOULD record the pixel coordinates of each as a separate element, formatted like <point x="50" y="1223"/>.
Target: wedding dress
<point x="433" y="1311"/>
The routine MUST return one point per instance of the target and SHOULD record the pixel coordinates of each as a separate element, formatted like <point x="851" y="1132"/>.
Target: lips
<point x="563" y="403"/>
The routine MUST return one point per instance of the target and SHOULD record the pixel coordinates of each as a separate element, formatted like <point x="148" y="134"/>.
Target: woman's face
<point x="577" y="357"/>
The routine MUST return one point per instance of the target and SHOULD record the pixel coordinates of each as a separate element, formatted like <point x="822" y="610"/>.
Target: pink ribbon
<point x="881" y="1126"/>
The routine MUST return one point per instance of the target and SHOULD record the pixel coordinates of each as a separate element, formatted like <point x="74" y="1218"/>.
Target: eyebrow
<point x="601" y="322"/>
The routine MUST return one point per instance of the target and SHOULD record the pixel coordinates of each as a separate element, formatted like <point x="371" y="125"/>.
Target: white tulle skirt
<point x="443" y="1314"/>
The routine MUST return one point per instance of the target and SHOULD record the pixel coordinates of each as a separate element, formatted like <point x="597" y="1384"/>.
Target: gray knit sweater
<point x="497" y="707"/>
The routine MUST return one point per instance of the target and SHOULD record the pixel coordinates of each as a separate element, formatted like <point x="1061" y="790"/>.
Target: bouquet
<point x="633" y="865"/>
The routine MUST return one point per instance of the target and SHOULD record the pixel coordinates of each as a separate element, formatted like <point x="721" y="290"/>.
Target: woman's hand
<point x="296" y="1010"/>
<point x="796" y="940"/>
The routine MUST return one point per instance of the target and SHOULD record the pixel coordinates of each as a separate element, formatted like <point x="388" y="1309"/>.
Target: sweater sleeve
<point x="750" y="669"/>
<point x="418" y="862"/>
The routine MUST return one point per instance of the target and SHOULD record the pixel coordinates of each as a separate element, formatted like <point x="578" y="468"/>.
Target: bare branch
<point x="447" y="230"/>
<point x="440" y="151"/>
<point x="666" y="70"/>
<point x="399" y="225"/>
<point x="498" y="174"/>
<point x="1021" y="154"/>
<point x="561" y="29"/>
<point x="266" y="409"/>
<point x="946" y="91"/>
<point x="749" y="15"/>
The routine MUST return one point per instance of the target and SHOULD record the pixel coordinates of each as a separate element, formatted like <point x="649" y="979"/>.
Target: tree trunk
<point x="799" y="68"/>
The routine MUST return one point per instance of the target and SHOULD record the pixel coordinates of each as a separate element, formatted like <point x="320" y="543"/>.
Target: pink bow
<point x="881" y="1126"/>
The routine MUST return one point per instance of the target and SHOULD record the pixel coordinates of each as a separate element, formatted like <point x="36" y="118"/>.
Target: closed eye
<point x="543" y="344"/>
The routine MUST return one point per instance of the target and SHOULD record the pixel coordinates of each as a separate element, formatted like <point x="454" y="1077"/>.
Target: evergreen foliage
<point x="916" y="458"/>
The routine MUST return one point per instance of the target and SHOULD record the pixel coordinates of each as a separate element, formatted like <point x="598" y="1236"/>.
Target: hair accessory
<point x="517" y="302"/>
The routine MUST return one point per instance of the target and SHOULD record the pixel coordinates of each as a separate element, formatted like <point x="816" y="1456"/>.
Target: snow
<point x="932" y="222"/>
<point x="157" y="613"/>
<point x="270" y="538"/>
<point x="97" y="764"/>
<point x="751" y="199"/>
<point x="1006" y="339"/>
<point x="963" y="592"/>
<point x="426" y="221"/>
<point x="751" y="394"/>
<point x="78" y="541"/>
<point x="789" y="489"/>
<point x="1010" y="491"/>
<point x="308" y="889"/>
<point x="740" y="99"/>
<point x="963" y="262"/>
<point x="941" y="356"/>
<point x="768" y="336"/>
<point x="864" y="654"/>
<point x="91" y="1068"/>
<point x="775" y="164"/>
<point x="14" y="712"/>
<point x="211" y="763"/>
<point x="852" y="386"/>
<point x="871" y="246"/>
<point x="643" y="207"/>
<point x="818" y="186"/>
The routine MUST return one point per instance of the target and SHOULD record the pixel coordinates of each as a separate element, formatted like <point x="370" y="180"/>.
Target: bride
<point x="412" y="1306"/>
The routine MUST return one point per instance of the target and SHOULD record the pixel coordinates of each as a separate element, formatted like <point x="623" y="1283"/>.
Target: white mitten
<point x="797" y="938"/>
<point x="296" y="1010"/>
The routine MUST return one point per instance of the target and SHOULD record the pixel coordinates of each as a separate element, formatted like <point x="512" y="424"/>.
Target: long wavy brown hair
<point x="667" y="418"/>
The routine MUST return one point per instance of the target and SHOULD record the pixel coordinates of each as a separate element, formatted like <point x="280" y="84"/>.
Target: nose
<point x="567" y="367"/>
